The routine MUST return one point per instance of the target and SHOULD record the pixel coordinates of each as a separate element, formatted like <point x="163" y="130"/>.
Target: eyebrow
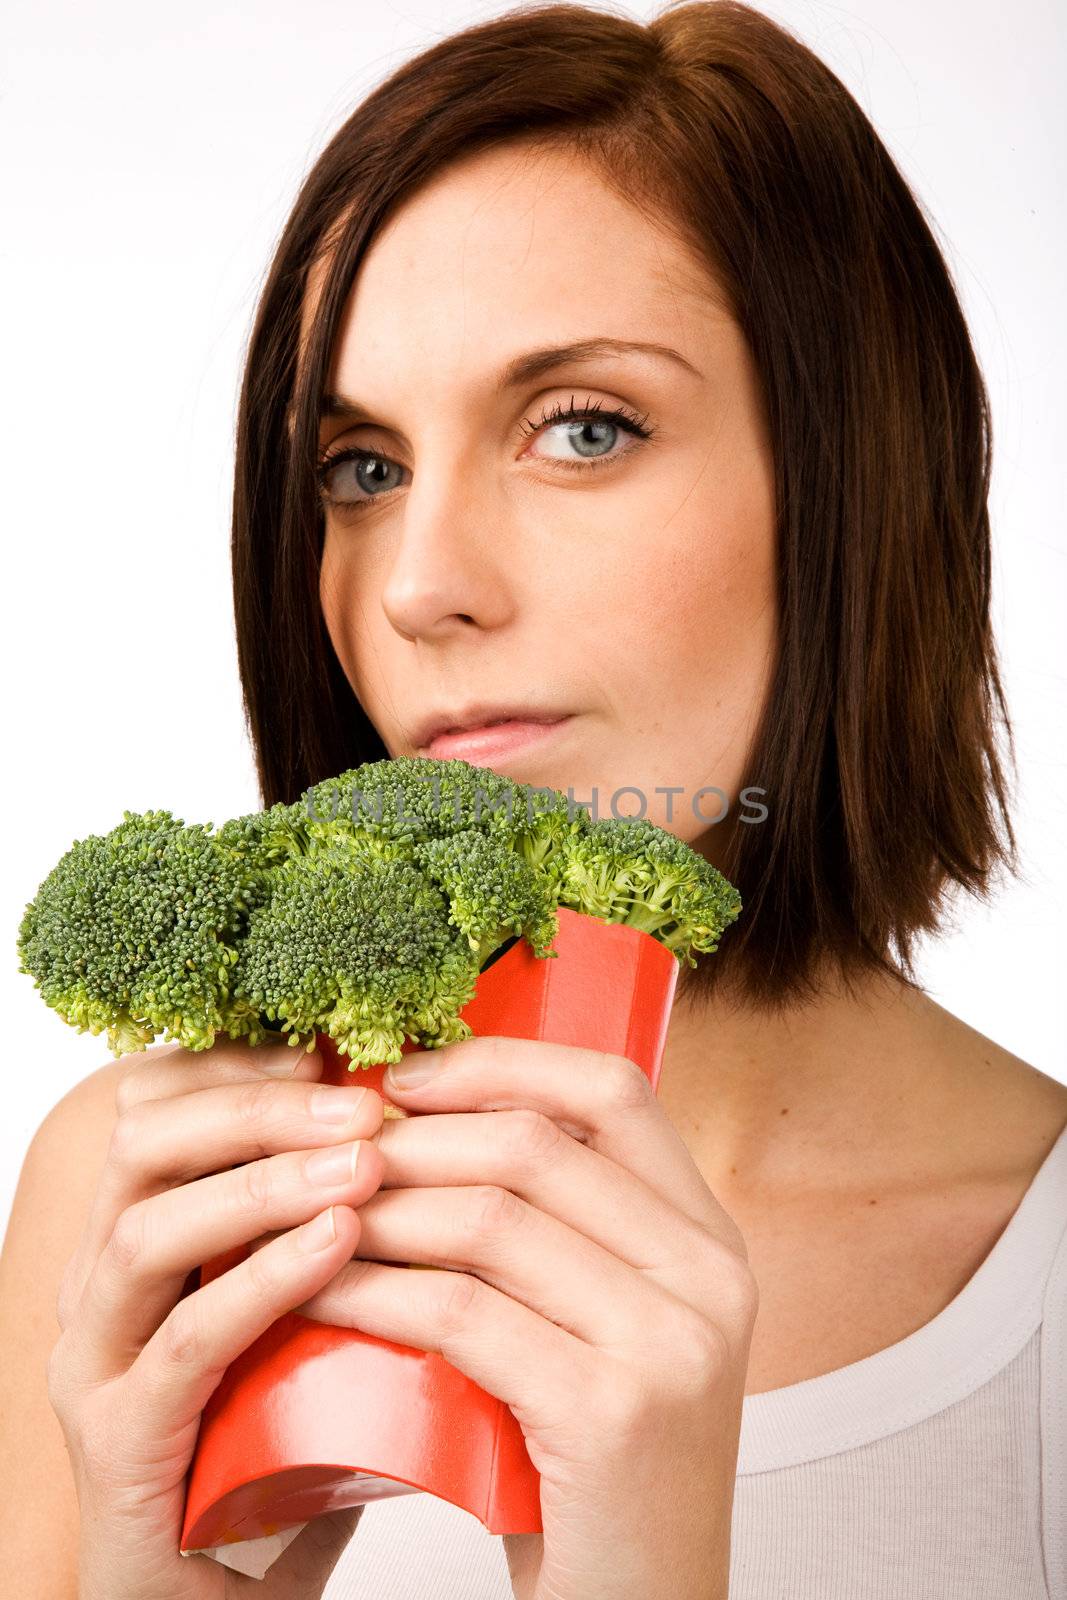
<point x="534" y="364"/>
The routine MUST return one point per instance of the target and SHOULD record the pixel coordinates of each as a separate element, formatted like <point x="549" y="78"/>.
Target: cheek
<point x="331" y="580"/>
<point x="689" y="622"/>
<point x="343" y="608"/>
<point x="699" y="604"/>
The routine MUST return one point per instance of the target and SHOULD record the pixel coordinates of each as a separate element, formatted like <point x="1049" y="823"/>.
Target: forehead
<point x="506" y="249"/>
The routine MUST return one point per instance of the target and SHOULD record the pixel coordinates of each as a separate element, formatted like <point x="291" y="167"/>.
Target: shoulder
<point x="60" y="1172"/>
<point x="1008" y="1112"/>
<point x="51" y="1207"/>
<point x="86" y="1114"/>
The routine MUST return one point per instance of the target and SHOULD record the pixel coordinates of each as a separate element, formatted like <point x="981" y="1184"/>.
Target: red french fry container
<point x="312" y="1418"/>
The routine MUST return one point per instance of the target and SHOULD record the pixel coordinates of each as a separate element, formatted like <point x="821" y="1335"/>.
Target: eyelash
<point x="594" y="411"/>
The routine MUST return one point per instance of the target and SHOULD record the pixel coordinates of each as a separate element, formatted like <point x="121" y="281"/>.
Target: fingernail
<point x="280" y="1060"/>
<point x="333" y="1166"/>
<point x="332" y="1104"/>
<point x="411" y="1072"/>
<point x="319" y="1232"/>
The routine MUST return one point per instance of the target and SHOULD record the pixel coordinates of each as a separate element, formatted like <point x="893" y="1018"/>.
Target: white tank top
<point x="935" y="1469"/>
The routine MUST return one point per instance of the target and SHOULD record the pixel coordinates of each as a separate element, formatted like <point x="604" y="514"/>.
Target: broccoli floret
<point x="136" y="931"/>
<point x="414" y="798"/>
<point x="631" y="871"/>
<point x="409" y="798"/>
<point x="266" y="838"/>
<point x="492" y="890"/>
<point x="370" y="926"/>
<point x="543" y="826"/>
<point x="359" y="948"/>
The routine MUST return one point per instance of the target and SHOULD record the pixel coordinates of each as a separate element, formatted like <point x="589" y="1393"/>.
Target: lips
<point x="476" y="719"/>
<point x="492" y="743"/>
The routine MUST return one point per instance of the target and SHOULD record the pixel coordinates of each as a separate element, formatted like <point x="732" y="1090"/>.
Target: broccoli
<point x="365" y="911"/>
<point x="631" y="871"/>
<point x="137" y="932"/>
<point x="493" y="891"/>
<point x="357" y="947"/>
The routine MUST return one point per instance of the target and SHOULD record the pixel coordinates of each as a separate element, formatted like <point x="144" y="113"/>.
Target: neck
<point x="811" y="1094"/>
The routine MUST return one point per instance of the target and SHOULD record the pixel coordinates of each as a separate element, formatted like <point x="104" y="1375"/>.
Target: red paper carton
<point x="313" y="1418"/>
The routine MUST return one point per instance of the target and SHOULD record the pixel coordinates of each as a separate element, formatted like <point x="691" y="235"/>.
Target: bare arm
<point x="39" y="1516"/>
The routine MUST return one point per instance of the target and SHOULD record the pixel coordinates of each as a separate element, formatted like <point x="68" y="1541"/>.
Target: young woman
<point x="608" y="377"/>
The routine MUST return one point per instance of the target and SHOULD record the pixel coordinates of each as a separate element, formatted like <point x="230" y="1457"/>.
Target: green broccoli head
<point x="359" y="948"/>
<point x="408" y="799"/>
<point x="493" y="892"/>
<point x="365" y="911"/>
<point x="267" y="838"/>
<point x="632" y="871"/>
<point x="411" y="799"/>
<point x="136" y="931"/>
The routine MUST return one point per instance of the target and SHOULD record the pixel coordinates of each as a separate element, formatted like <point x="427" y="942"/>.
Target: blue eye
<point x="592" y="438"/>
<point x="371" y="471"/>
<point x="579" y="422"/>
<point x="589" y="429"/>
<point x="583" y="439"/>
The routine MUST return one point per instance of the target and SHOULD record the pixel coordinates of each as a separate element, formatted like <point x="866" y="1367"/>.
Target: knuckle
<point x="128" y="1242"/>
<point x="736" y="1293"/>
<point x="528" y="1135"/>
<point x="491" y="1210"/>
<point x="256" y="1189"/>
<point x="746" y="1307"/>
<point x="137" y="1079"/>
<point x="180" y="1336"/>
<point x="128" y="1136"/>
<point x="624" y="1084"/>
<point x="251" y="1101"/>
<point x="261" y="1270"/>
<point x="129" y="1090"/>
<point x="458" y="1292"/>
<point x="701" y="1353"/>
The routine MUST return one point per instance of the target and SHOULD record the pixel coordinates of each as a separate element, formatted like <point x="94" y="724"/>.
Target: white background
<point x="150" y="157"/>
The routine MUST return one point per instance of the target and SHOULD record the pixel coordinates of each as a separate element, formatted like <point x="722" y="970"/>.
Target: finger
<point x="528" y="1154"/>
<point x="554" y="1270"/>
<point x="603" y="1100"/>
<point x="544" y="1373"/>
<point x="168" y="1070"/>
<point x="159" y="1142"/>
<point x="174" y="1375"/>
<point x="139" y="1276"/>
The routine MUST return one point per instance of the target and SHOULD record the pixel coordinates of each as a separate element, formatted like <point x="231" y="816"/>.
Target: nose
<point x="451" y="568"/>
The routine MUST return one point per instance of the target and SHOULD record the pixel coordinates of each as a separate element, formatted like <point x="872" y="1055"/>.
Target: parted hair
<point x="878" y="748"/>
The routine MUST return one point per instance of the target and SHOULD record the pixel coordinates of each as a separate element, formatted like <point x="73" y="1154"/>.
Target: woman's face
<point x="487" y="552"/>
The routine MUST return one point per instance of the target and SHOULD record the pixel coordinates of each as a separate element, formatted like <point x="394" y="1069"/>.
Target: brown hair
<point x="877" y="750"/>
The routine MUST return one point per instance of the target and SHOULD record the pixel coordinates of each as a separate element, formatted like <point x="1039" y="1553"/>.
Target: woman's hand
<point x="138" y="1357"/>
<point x="596" y="1286"/>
